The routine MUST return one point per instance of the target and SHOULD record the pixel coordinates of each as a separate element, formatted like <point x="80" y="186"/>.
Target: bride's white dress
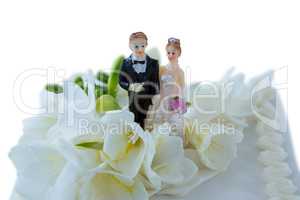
<point x="161" y="111"/>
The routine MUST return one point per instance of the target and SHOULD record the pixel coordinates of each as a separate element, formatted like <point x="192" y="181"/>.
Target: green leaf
<point x="100" y="90"/>
<point x="106" y="103"/>
<point x="79" y="81"/>
<point x="102" y="76"/>
<point x="55" y="88"/>
<point x="113" y="80"/>
<point x="91" y="145"/>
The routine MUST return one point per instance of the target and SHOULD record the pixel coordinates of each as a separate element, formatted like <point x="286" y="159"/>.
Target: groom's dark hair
<point x="138" y="35"/>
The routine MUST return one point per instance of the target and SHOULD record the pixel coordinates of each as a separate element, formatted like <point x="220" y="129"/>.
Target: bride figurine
<point x="169" y="106"/>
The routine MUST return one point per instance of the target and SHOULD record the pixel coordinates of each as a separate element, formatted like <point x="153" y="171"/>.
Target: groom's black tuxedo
<point x="140" y="102"/>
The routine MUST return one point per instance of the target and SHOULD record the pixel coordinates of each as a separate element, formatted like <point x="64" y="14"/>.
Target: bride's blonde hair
<point x="174" y="42"/>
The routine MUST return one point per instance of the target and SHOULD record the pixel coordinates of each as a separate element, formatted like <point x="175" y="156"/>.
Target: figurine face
<point x="172" y="53"/>
<point x="138" y="47"/>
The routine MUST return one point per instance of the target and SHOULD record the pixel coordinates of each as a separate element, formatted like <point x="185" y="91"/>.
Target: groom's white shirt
<point x="139" y="68"/>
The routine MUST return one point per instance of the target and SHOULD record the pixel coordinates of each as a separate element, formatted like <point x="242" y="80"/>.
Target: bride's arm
<point x="182" y="79"/>
<point x="156" y="98"/>
<point x="161" y="72"/>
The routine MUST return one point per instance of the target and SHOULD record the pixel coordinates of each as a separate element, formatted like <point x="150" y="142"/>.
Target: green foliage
<point x="102" y="76"/>
<point x="110" y="86"/>
<point x="55" y="88"/>
<point x="79" y="81"/>
<point x="91" y="145"/>
<point x="106" y="103"/>
<point x="100" y="90"/>
<point x="113" y="80"/>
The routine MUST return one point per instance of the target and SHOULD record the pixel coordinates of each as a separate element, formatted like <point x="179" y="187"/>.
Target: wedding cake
<point x="87" y="145"/>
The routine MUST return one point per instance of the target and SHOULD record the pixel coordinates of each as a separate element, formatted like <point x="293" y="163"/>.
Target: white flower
<point x="87" y="177"/>
<point x="125" y="142"/>
<point x="122" y="98"/>
<point x="104" y="183"/>
<point x="165" y="163"/>
<point x="51" y="171"/>
<point x="229" y="97"/>
<point x="38" y="166"/>
<point x="216" y="118"/>
<point x="79" y="112"/>
<point x="217" y="146"/>
<point x="53" y="103"/>
<point x="36" y="128"/>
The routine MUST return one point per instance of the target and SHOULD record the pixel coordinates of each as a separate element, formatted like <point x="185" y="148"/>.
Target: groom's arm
<point x="155" y="79"/>
<point x="124" y="77"/>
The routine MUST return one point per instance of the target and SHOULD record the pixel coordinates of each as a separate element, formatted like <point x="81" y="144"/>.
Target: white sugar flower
<point x="122" y="98"/>
<point x="79" y="113"/>
<point x="36" y="128"/>
<point x="216" y="118"/>
<point x="52" y="102"/>
<point x="125" y="142"/>
<point x="38" y="166"/>
<point x="165" y="163"/>
<point x="51" y="171"/>
<point x="229" y="97"/>
<point x="216" y="144"/>
<point x="87" y="177"/>
<point x="104" y="183"/>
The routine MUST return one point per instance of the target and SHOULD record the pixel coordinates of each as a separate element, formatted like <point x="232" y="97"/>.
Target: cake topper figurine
<point x="139" y="75"/>
<point x="170" y="106"/>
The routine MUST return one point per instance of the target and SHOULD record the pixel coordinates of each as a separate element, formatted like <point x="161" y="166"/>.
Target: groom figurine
<point x="139" y="75"/>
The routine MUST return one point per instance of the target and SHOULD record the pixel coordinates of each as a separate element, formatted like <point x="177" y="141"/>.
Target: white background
<point x="79" y="35"/>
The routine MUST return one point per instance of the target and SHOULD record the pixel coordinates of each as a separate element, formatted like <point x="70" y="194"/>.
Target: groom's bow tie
<point x="138" y="62"/>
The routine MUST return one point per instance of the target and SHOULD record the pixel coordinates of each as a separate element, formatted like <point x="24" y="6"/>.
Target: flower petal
<point x="105" y="184"/>
<point x="38" y="174"/>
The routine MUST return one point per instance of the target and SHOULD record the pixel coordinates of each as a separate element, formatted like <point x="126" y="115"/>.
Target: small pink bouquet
<point x="178" y="104"/>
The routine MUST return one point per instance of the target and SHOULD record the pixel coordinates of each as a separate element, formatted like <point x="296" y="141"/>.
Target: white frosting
<point x="276" y="172"/>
